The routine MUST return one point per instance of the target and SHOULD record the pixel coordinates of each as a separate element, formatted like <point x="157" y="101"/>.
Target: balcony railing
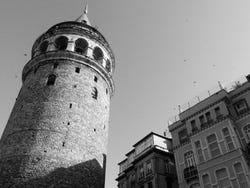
<point x="190" y="173"/>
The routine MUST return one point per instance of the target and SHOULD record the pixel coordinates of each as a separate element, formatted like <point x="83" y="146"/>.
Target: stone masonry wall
<point x="57" y="134"/>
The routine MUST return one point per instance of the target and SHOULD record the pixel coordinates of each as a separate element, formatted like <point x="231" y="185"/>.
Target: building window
<point x="81" y="46"/>
<point x="55" y="65"/>
<point x="208" y="117"/>
<point x="51" y="80"/>
<point x="246" y="130"/>
<point x="206" y="181"/>
<point x="43" y="47"/>
<point x="169" y="167"/>
<point x="150" y="184"/>
<point x="148" y="167"/>
<point x="98" y="54"/>
<point x="141" y="172"/>
<point x="94" y="93"/>
<point x="213" y="145"/>
<point x="199" y="151"/>
<point x="193" y="126"/>
<point x="77" y="70"/>
<point x="183" y="136"/>
<point x="217" y="112"/>
<point x="202" y="120"/>
<point x="189" y="159"/>
<point x="196" y="185"/>
<point x="222" y="178"/>
<point x="61" y="43"/>
<point x="241" y="177"/>
<point x="241" y="107"/>
<point x="228" y="138"/>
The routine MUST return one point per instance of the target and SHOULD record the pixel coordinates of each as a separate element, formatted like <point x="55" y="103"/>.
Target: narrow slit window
<point x="94" y="93"/>
<point x="77" y="70"/>
<point x="95" y="79"/>
<point x="55" y="65"/>
<point x="51" y="80"/>
<point x="70" y="105"/>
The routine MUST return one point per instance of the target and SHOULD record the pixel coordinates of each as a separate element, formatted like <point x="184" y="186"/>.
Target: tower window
<point x="51" y="80"/>
<point x="94" y="93"/>
<point x="43" y="46"/>
<point x="95" y="79"/>
<point x="77" y="70"/>
<point x="108" y="67"/>
<point x="61" y="43"/>
<point x="55" y="65"/>
<point x="81" y="46"/>
<point x="35" y="69"/>
<point x="70" y="105"/>
<point x="98" y="54"/>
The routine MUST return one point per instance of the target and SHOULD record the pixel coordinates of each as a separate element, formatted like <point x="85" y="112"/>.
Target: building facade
<point x="211" y="139"/>
<point x="150" y="164"/>
<point x="56" y="135"/>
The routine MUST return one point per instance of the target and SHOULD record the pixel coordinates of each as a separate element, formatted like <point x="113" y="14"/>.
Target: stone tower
<point x="56" y="135"/>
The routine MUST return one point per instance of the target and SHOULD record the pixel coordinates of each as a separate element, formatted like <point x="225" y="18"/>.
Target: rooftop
<point x="206" y="94"/>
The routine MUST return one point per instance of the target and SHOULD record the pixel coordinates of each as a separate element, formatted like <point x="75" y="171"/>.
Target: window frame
<point x="199" y="152"/>
<point x="227" y="177"/>
<point x="242" y="172"/>
<point x="208" y="184"/>
<point x="241" y="110"/>
<point x="189" y="159"/>
<point x="214" y="142"/>
<point x="227" y="142"/>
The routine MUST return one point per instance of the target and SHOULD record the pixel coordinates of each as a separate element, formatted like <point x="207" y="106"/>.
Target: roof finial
<point x="86" y="9"/>
<point x="84" y="18"/>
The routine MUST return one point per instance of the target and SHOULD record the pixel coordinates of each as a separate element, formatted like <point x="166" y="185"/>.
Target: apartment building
<point x="211" y="138"/>
<point x="150" y="164"/>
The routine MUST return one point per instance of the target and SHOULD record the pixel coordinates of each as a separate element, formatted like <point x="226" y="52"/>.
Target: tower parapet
<point x="57" y="131"/>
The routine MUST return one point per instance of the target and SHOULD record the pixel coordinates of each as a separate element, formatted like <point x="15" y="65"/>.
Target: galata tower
<point x="56" y="135"/>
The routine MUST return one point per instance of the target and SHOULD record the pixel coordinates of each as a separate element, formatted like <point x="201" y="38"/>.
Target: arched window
<point x="43" y="46"/>
<point x="241" y="177"/>
<point x="108" y="66"/>
<point x="246" y="130"/>
<point x="223" y="178"/>
<point x="94" y="93"/>
<point x="51" y="80"/>
<point x="206" y="181"/>
<point x="98" y="54"/>
<point x="81" y="46"/>
<point x="61" y="43"/>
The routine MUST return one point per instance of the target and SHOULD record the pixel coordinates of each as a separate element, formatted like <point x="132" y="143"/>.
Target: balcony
<point x="190" y="173"/>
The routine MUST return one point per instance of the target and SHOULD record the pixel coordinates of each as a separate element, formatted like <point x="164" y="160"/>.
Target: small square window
<point x="77" y="70"/>
<point x="241" y="107"/>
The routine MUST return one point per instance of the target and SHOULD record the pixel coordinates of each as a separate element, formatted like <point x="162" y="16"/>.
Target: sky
<point x="166" y="53"/>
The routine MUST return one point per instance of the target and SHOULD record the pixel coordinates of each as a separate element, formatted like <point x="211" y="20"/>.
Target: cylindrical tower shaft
<point x="57" y="132"/>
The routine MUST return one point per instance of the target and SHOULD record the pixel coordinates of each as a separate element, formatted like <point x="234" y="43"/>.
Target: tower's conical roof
<point x="84" y="18"/>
